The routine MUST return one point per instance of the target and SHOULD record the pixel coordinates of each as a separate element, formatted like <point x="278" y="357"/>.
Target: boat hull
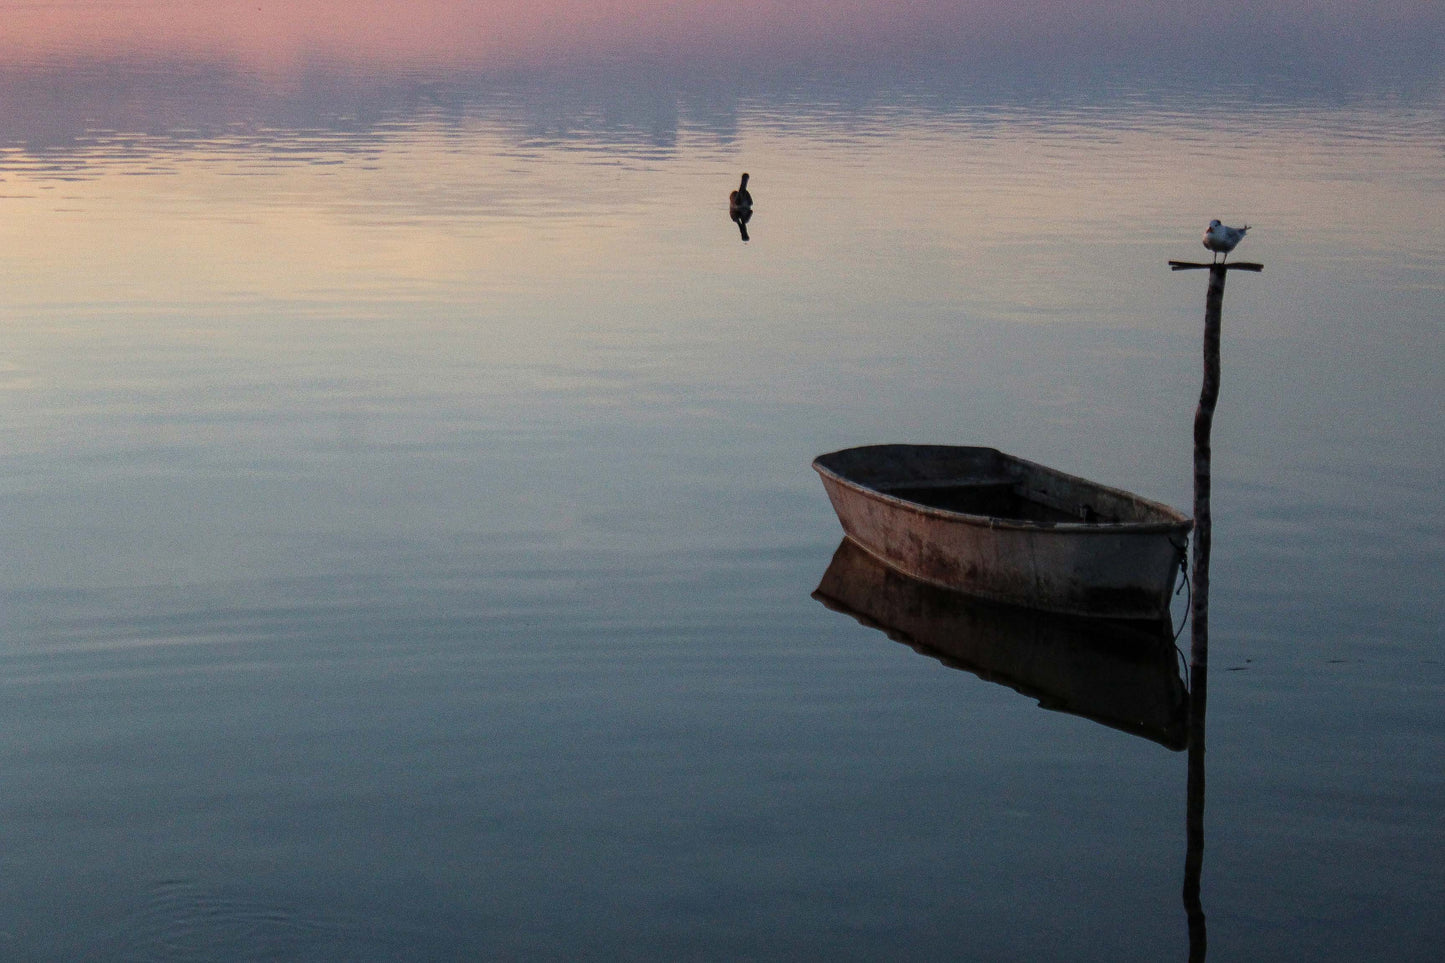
<point x="1065" y="544"/>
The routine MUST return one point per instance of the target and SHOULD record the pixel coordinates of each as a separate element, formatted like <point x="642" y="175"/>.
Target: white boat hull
<point x="1063" y="544"/>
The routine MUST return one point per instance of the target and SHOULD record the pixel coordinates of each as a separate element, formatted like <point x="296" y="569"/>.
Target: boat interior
<point x="998" y="499"/>
<point x="984" y="481"/>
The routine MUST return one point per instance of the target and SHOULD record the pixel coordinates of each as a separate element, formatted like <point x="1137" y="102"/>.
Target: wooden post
<point x="1203" y="424"/>
<point x="1199" y="600"/>
<point x="1203" y="522"/>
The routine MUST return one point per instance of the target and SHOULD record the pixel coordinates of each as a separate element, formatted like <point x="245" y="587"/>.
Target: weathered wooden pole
<point x="1203" y="424"/>
<point x="1199" y="600"/>
<point x="1199" y="621"/>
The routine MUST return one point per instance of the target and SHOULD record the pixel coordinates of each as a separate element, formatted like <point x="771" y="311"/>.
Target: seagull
<point x="740" y="201"/>
<point x="1221" y="239"/>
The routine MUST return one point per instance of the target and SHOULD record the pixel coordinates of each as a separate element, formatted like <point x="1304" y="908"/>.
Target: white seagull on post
<point x="1221" y="239"/>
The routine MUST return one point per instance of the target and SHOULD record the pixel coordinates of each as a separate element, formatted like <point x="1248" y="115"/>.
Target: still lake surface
<point x="410" y="538"/>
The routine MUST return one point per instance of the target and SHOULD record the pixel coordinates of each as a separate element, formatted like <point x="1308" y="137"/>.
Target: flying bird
<point x="740" y="201"/>
<point x="1221" y="239"/>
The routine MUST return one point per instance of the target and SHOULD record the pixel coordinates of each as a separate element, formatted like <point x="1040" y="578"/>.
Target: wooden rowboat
<point x="978" y="521"/>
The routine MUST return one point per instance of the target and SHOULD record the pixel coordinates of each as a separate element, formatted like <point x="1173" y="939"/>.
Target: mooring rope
<point x="1189" y="599"/>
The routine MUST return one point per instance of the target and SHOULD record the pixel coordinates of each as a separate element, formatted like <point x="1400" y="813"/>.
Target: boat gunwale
<point x="1180" y="522"/>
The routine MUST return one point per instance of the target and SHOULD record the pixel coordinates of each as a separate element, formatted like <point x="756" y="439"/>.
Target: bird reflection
<point x="740" y="207"/>
<point x="741" y="218"/>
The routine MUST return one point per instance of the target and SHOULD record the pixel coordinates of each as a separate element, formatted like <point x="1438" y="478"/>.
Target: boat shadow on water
<point x="1123" y="674"/>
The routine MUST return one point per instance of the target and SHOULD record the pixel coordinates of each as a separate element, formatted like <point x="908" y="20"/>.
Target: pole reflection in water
<point x="1121" y="674"/>
<point x="1194" y="817"/>
<point x="1199" y="597"/>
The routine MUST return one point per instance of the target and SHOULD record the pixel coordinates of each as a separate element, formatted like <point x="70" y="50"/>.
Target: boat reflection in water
<point x="1123" y="674"/>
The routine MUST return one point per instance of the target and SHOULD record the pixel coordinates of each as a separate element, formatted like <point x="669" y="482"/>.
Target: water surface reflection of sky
<point x="509" y="33"/>
<point x="402" y="446"/>
<point x="161" y="169"/>
<point x="155" y="65"/>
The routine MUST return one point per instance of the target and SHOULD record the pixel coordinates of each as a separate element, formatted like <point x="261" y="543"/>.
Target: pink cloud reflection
<point x="279" y="35"/>
<point x="492" y="32"/>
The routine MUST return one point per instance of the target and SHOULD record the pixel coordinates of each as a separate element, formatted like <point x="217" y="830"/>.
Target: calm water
<point x="410" y="539"/>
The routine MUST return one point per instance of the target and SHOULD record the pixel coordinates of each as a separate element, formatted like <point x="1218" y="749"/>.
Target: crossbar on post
<point x="1225" y="265"/>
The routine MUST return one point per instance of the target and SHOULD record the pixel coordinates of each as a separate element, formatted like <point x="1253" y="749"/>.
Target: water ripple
<point x="186" y="921"/>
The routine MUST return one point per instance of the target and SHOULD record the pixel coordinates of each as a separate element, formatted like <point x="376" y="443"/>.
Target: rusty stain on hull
<point x="979" y="521"/>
